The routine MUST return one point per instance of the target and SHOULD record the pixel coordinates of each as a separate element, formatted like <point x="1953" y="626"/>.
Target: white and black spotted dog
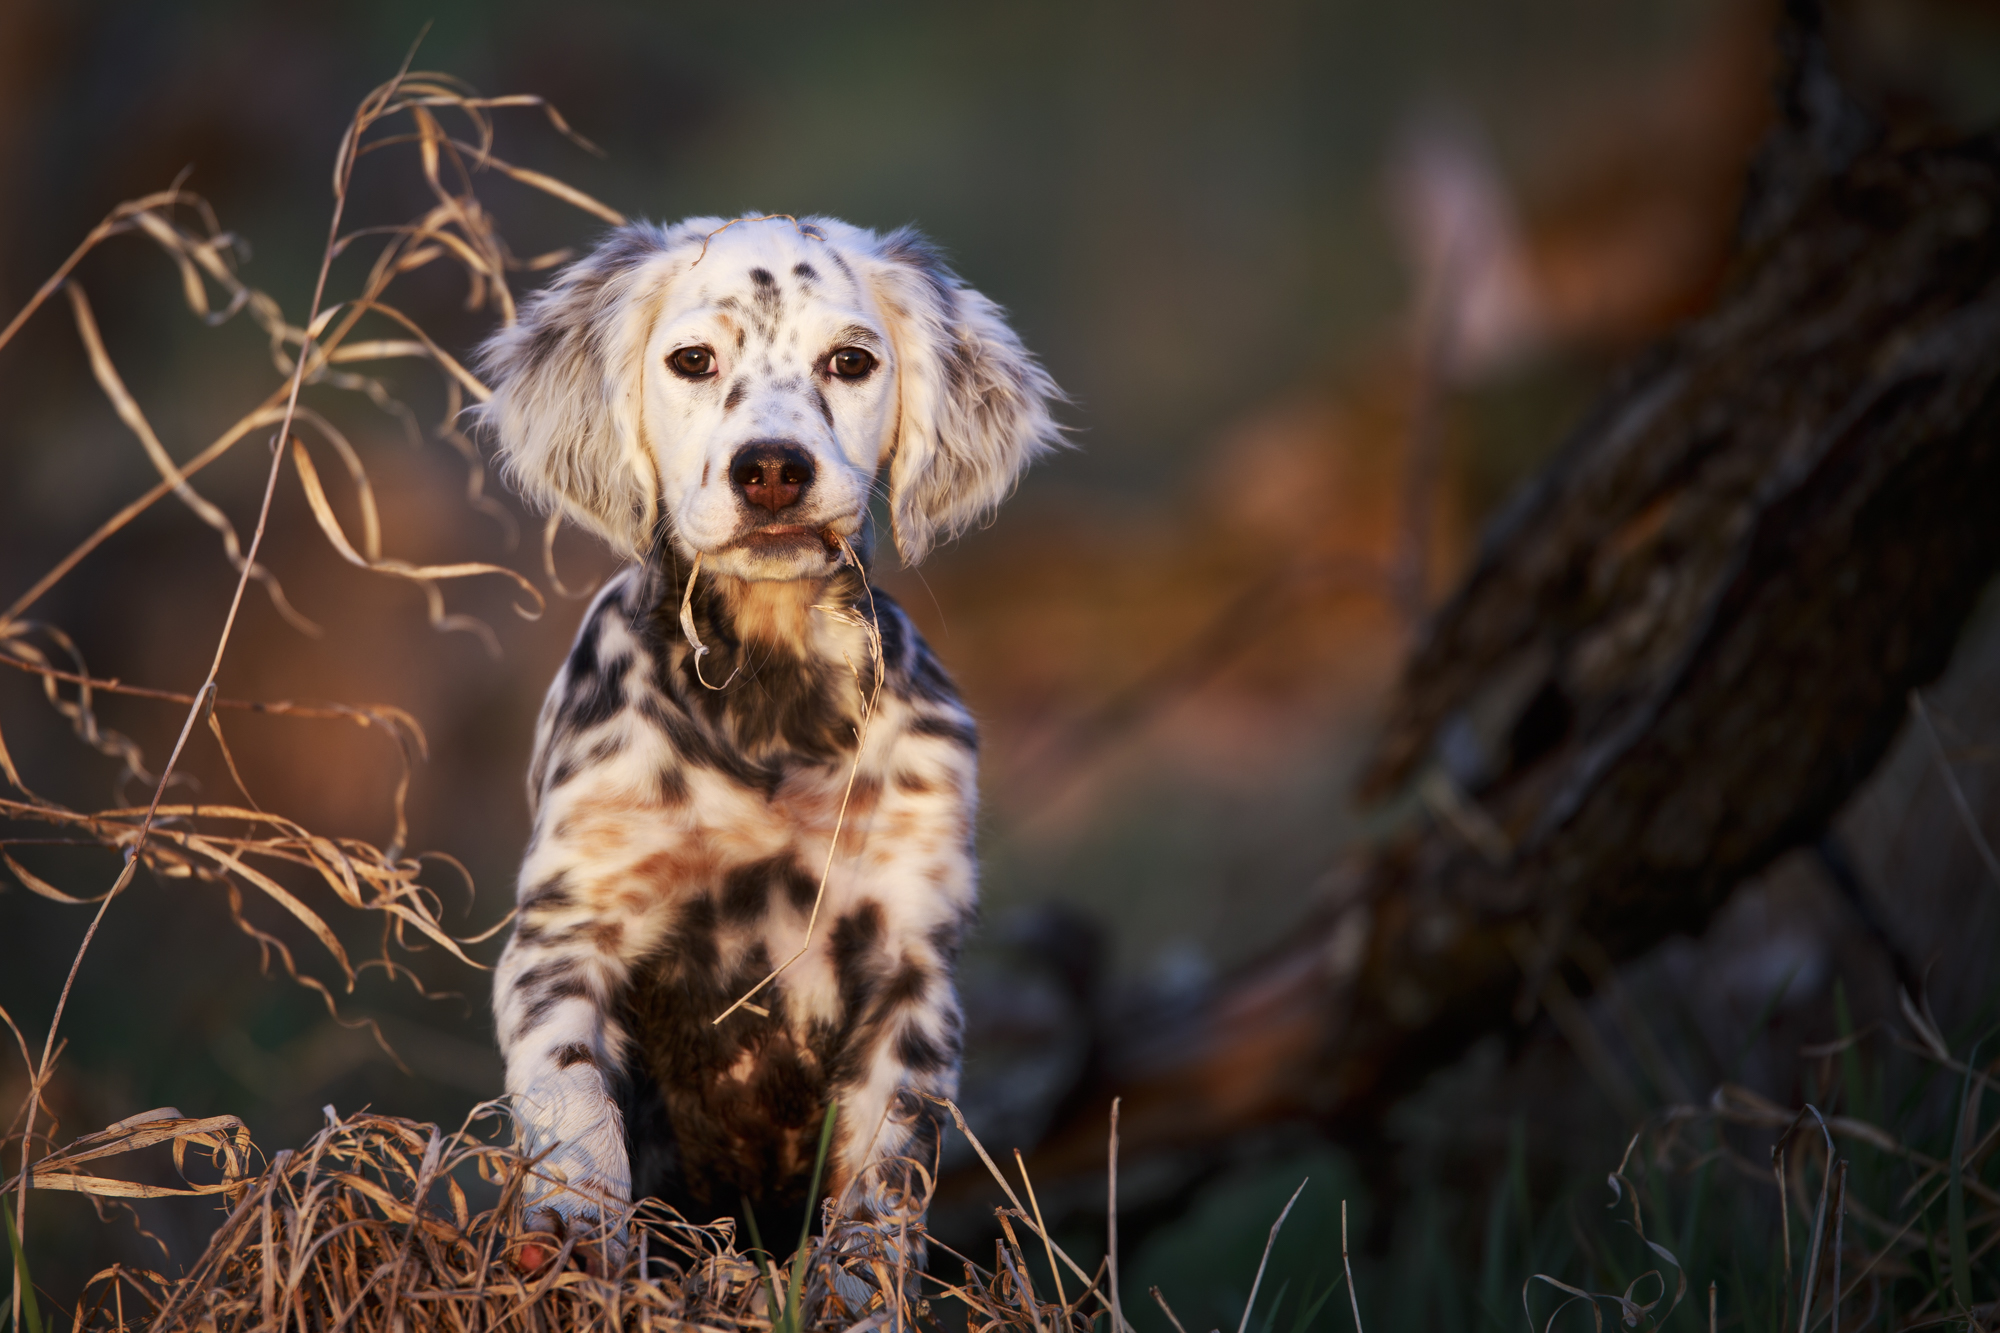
<point x="719" y="401"/>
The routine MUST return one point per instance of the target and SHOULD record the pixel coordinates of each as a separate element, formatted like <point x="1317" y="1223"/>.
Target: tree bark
<point x="1677" y="652"/>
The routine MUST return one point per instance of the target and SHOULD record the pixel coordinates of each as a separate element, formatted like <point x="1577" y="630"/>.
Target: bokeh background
<point x="1232" y="233"/>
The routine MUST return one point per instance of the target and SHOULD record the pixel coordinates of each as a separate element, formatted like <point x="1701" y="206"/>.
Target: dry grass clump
<point x="1875" y="1228"/>
<point x="371" y="1226"/>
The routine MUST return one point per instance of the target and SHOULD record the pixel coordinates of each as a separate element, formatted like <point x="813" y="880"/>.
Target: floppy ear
<point x="566" y="384"/>
<point x="975" y="402"/>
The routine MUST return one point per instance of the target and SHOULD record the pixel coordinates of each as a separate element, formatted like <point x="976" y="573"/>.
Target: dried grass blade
<point x="129" y="412"/>
<point x="265" y="415"/>
<point x="569" y="194"/>
<point x="1042" y="1229"/>
<point x="466" y="379"/>
<point x="329" y="524"/>
<point x="280" y="895"/>
<point x="36" y="884"/>
<point x="111" y="1188"/>
<point x="114" y="222"/>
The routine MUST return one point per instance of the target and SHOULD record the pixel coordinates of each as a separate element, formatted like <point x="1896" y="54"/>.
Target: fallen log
<point x="1675" y="656"/>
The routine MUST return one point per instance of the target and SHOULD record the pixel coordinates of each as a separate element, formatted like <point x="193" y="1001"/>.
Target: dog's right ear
<point x="566" y="380"/>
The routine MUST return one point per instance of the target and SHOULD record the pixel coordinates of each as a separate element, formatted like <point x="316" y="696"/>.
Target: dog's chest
<point x="731" y="1108"/>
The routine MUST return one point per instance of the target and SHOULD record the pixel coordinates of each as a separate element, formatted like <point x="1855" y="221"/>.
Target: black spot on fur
<point x="779" y="702"/>
<point x="951" y="729"/>
<point x="537" y="905"/>
<point x="908" y="985"/>
<point x="856" y="965"/>
<point x="576" y="1053"/>
<point x="746" y="890"/>
<point x="918" y="1052"/>
<point x="894" y="627"/>
<point x="819" y="401"/>
<point x="805" y="271"/>
<point x="594" y="692"/>
<point x="927" y="677"/>
<point x="547" y="985"/>
<point x="734" y="397"/>
<point x="762" y="277"/>
<point x="691" y="944"/>
<point x="547" y="896"/>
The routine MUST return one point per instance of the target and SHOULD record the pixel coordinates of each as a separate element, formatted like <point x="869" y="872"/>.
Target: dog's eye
<point x="692" y="362"/>
<point x="850" y="363"/>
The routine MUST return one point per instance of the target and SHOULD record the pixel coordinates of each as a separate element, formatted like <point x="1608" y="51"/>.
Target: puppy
<point x="719" y="400"/>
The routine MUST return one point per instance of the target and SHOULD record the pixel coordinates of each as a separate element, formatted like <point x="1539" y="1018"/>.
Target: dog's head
<point x="740" y="387"/>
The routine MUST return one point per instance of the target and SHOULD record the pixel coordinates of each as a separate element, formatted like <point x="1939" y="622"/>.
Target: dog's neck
<point x="777" y="614"/>
<point x="783" y="664"/>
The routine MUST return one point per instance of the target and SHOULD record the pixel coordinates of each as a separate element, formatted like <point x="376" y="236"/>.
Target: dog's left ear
<point x="566" y="376"/>
<point x="975" y="402"/>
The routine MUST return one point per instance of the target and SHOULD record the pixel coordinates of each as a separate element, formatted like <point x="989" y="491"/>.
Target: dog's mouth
<point x="784" y="538"/>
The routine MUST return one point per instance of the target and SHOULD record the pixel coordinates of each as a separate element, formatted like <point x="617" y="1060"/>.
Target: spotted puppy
<point x="718" y="401"/>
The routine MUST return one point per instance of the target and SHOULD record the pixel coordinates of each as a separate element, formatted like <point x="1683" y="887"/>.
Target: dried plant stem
<point x="958" y="1119"/>
<point x="1243" y="1325"/>
<point x="1111" y="1224"/>
<point x="264" y="415"/>
<point x="117" y="220"/>
<point x="1041" y="1228"/>
<point x="1167" y="1310"/>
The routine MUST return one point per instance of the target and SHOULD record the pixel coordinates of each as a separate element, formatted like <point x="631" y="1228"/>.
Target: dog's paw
<point x="581" y="1184"/>
<point x="594" y="1238"/>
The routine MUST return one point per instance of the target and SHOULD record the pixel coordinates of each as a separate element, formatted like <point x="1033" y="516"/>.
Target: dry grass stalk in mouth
<point x="335" y="350"/>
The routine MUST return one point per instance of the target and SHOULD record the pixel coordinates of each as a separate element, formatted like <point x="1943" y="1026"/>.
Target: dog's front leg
<point x="552" y="993"/>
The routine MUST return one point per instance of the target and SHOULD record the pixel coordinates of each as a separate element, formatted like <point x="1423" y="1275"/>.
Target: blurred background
<point x="1232" y="233"/>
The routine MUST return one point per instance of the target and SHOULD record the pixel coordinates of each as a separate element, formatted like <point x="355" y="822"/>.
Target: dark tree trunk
<point x="1676" y="655"/>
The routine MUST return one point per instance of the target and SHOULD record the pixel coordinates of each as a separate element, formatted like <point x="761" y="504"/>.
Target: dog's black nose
<point x="771" y="474"/>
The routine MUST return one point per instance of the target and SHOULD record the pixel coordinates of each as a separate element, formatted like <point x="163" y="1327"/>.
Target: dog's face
<point x="740" y="387"/>
<point x="770" y="402"/>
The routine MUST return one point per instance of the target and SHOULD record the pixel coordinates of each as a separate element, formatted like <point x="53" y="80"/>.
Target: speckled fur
<point x="681" y="831"/>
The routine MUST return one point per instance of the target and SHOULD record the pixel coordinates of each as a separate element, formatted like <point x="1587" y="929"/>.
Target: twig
<point x="1243" y="1324"/>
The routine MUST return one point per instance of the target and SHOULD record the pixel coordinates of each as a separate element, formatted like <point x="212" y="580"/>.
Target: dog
<point x="720" y="400"/>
